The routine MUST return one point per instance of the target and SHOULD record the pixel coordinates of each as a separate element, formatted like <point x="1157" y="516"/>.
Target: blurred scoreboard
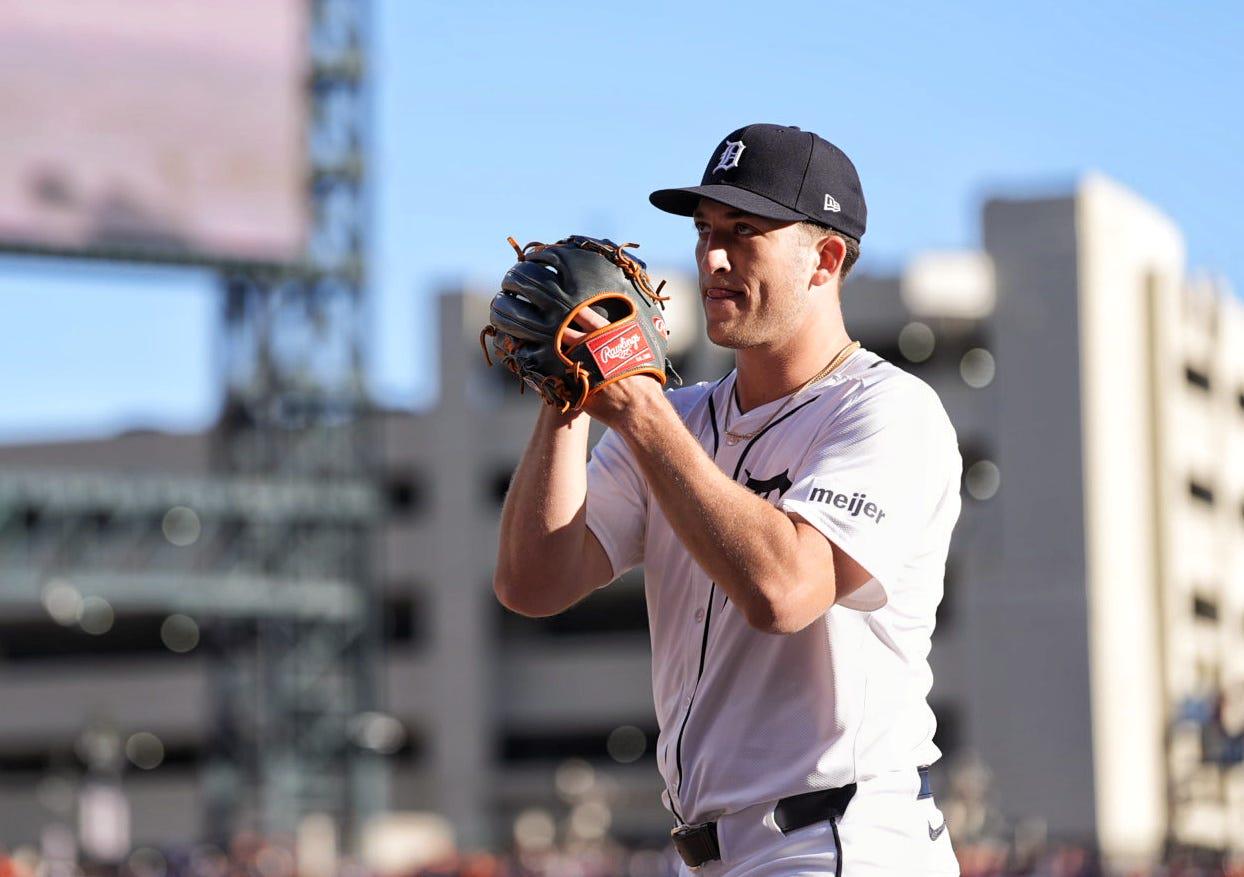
<point x="175" y="126"/>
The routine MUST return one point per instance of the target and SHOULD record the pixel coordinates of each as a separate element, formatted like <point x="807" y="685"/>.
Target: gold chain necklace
<point x="733" y="438"/>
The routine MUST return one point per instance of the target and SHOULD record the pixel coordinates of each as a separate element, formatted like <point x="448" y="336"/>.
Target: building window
<point x="590" y="744"/>
<point x="36" y="759"/>
<point x="619" y="609"/>
<point x="414" y="747"/>
<point x="1196" y="378"/>
<point x="403" y="620"/>
<point x="497" y="485"/>
<point x="974" y="449"/>
<point x="950" y="587"/>
<point x="949" y="734"/>
<point x="1204" y="608"/>
<point x="38" y="639"/>
<point x="888" y="349"/>
<point x="404" y="494"/>
<point x="1239" y="399"/>
<point x="1200" y="492"/>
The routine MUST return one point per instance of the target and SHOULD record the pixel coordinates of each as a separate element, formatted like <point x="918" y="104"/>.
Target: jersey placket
<point x="730" y="459"/>
<point x="701" y="620"/>
<point x="694" y="640"/>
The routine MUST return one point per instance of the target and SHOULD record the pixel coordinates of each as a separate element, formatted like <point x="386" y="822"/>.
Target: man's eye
<point x="743" y="229"/>
<point x="701" y="228"/>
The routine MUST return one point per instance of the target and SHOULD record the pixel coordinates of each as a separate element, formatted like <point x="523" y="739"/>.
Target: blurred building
<point x="1090" y="647"/>
<point x="1090" y="644"/>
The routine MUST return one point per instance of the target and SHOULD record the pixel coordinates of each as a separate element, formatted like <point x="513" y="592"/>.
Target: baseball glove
<point x="541" y="296"/>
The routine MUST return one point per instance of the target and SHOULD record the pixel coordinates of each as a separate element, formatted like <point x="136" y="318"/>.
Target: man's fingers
<point x="587" y="320"/>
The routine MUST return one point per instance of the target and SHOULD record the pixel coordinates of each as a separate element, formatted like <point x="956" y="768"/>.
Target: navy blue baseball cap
<point x="779" y="172"/>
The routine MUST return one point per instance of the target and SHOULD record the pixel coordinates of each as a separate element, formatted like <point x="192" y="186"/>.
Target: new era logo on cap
<point x="788" y="174"/>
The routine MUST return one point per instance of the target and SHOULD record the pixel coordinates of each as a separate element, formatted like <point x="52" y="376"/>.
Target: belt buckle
<point x="696" y="844"/>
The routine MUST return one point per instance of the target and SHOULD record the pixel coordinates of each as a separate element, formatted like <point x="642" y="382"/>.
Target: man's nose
<point x="714" y="260"/>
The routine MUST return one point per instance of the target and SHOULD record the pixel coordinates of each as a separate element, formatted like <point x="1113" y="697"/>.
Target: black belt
<point x="697" y="844"/>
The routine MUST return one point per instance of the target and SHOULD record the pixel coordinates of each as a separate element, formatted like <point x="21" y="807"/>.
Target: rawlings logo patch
<point x="621" y="349"/>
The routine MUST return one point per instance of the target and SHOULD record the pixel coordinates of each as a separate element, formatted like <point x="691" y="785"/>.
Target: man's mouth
<point x="720" y="292"/>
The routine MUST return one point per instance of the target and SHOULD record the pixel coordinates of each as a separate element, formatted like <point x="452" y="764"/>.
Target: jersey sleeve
<point x="869" y="480"/>
<point x="617" y="502"/>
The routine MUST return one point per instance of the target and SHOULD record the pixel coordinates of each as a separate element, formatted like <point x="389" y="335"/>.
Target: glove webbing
<point x="549" y="387"/>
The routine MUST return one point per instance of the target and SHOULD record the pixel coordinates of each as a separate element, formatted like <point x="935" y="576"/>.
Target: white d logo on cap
<point x="730" y="155"/>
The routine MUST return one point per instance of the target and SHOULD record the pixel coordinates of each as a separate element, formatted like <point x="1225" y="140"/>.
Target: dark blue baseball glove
<point x="541" y="296"/>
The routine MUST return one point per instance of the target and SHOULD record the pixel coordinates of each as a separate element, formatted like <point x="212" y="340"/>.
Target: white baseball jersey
<point x="868" y="457"/>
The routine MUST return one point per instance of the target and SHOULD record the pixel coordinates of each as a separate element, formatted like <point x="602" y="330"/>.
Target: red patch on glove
<point x="620" y="349"/>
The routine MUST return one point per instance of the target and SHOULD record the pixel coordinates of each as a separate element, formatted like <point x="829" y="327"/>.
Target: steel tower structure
<point x="275" y="566"/>
<point x="296" y="693"/>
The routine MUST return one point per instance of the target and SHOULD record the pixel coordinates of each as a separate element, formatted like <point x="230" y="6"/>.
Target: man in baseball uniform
<point x="793" y="520"/>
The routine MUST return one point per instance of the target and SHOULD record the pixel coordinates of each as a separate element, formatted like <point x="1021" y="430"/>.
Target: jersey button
<point x="699" y="616"/>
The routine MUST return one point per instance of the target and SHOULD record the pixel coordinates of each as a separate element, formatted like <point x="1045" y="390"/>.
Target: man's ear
<point x="831" y="250"/>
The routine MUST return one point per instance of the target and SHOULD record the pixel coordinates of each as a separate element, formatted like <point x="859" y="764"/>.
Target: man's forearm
<point x="543" y="519"/>
<point x="748" y="547"/>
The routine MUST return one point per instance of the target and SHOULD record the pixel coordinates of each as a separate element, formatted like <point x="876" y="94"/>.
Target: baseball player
<point x="793" y="520"/>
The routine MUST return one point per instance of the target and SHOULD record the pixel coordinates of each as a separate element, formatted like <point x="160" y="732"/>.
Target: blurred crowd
<point x="257" y="858"/>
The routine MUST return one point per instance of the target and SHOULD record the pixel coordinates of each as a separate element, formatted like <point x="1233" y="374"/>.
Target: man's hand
<point x="612" y="403"/>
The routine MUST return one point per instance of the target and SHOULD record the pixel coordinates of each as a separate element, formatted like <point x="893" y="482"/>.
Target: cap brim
<point x="684" y="201"/>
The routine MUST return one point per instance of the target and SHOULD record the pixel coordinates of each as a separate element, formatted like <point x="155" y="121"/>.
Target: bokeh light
<point x="626" y="744"/>
<point x="181" y="526"/>
<point x="916" y="342"/>
<point x="62" y="601"/>
<point x="147" y="862"/>
<point x="379" y="732"/>
<point x="982" y="479"/>
<point x="179" y="633"/>
<point x="977" y="368"/>
<point x="145" y="750"/>
<point x="96" y="617"/>
<point x="57" y="794"/>
<point x="590" y="820"/>
<point x="534" y="830"/>
<point x="574" y="778"/>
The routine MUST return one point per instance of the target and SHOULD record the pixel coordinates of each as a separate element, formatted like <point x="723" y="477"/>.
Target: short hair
<point x="815" y="231"/>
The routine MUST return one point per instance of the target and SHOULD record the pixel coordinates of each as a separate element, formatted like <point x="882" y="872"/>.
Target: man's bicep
<point x="849" y="575"/>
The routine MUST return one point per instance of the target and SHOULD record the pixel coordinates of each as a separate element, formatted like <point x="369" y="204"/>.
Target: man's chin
<point x="728" y="337"/>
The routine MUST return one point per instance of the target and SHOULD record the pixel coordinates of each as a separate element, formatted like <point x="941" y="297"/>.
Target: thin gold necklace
<point x="733" y="438"/>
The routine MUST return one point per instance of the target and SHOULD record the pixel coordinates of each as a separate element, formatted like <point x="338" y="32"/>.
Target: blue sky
<point x="546" y="118"/>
